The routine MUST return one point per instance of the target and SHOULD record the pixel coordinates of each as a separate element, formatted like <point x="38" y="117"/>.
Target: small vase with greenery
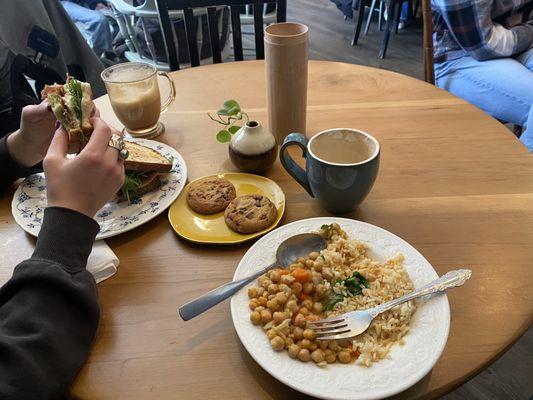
<point x="252" y="148"/>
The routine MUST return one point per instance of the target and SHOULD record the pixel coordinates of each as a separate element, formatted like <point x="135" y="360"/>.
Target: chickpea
<point x="266" y="316"/>
<point x="323" y="344"/>
<point x="298" y="333"/>
<point x="292" y="306"/>
<point x="266" y="283"/>
<point x="300" y="260"/>
<point x="306" y="343"/>
<point x="319" y="264"/>
<point x="260" y="291"/>
<point x="321" y="290"/>
<point x="333" y="345"/>
<point x="255" y="317"/>
<point x="275" y="276"/>
<point x="304" y="355"/>
<point x="309" y="334"/>
<point x="344" y="343"/>
<point x="317" y="307"/>
<point x="300" y="321"/>
<point x="272" y="288"/>
<point x="330" y="356"/>
<point x="344" y="356"/>
<point x="287" y="279"/>
<point x="279" y="317"/>
<point x="285" y="289"/>
<point x="308" y="287"/>
<point x="297" y="287"/>
<point x="259" y="309"/>
<point x="296" y="265"/>
<point x="307" y="304"/>
<point x="271" y="334"/>
<point x="313" y="346"/>
<point x="317" y="356"/>
<point x="289" y="341"/>
<point x="304" y="311"/>
<point x="294" y="349"/>
<point x="313" y="255"/>
<point x="309" y="263"/>
<point x="281" y="298"/>
<point x="252" y="292"/>
<point x="253" y="304"/>
<point x="327" y="274"/>
<point x="277" y="343"/>
<point x="262" y="301"/>
<point x="272" y="305"/>
<point x="335" y="226"/>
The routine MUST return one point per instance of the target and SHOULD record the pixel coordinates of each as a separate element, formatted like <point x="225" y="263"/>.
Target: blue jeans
<point x="502" y="87"/>
<point x="96" y="27"/>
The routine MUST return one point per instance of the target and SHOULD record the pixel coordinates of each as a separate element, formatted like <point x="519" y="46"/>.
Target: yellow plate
<point x="212" y="229"/>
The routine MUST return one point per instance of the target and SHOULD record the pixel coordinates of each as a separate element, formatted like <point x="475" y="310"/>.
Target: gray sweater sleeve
<point x="49" y="311"/>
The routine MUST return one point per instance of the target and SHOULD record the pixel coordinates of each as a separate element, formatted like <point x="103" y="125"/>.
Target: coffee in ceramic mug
<point x="341" y="166"/>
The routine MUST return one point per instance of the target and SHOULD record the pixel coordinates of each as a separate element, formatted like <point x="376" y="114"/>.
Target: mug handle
<point x="172" y="94"/>
<point x="288" y="163"/>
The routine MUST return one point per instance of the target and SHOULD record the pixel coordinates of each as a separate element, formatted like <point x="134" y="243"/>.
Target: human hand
<point x="84" y="183"/>
<point x="29" y="144"/>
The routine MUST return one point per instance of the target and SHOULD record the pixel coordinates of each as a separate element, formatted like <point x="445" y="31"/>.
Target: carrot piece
<point x="301" y="275"/>
<point x="303" y="296"/>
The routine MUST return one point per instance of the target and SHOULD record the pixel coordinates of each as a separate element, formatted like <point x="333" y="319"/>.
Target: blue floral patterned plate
<point x="114" y="218"/>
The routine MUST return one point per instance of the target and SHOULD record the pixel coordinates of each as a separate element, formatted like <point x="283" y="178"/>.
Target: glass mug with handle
<point x="134" y="95"/>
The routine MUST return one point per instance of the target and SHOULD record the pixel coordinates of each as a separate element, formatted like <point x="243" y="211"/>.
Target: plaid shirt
<point x="482" y="29"/>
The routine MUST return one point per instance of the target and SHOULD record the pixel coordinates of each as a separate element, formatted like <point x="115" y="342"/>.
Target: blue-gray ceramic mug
<point x="341" y="166"/>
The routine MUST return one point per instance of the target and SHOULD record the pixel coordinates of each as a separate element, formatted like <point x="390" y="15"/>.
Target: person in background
<point x="49" y="308"/>
<point x="92" y="14"/>
<point x="484" y="54"/>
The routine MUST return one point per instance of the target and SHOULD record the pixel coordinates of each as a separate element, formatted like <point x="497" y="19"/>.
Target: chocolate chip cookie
<point x="210" y="195"/>
<point x="250" y="213"/>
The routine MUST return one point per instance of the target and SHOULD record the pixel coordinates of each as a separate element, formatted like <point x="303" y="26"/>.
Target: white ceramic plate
<point x="114" y="218"/>
<point x="406" y="364"/>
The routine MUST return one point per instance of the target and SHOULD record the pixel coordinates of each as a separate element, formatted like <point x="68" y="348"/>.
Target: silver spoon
<point x="288" y="251"/>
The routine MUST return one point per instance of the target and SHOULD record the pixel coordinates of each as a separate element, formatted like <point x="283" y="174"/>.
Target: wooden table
<point x="453" y="182"/>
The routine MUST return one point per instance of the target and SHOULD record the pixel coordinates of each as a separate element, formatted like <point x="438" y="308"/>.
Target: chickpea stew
<point x="339" y="279"/>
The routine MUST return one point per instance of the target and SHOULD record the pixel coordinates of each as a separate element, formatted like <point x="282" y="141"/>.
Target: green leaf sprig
<point x="228" y="115"/>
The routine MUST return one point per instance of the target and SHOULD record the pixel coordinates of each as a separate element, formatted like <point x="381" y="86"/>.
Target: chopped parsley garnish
<point x="333" y="299"/>
<point x="354" y="285"/>
<point x="327" y="229"/>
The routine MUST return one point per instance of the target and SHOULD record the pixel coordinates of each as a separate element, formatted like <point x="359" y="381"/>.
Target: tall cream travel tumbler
<point x="286" y="78"/>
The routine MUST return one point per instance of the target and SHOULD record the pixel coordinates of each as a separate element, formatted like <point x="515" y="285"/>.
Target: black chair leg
<point x="359" y="22"/>
<point x="388" y="28"/>
<point x="397" y="13"/>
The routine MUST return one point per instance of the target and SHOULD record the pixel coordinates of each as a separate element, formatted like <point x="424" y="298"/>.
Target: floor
<point x="509" y="378"/>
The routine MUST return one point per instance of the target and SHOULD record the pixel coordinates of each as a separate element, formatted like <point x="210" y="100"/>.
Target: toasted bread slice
<point x="142" y="158"/>
<point x="150" y="183"/>
<point x="87" y="108"/>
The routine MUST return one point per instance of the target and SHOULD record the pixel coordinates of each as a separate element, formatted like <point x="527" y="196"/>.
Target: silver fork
<point x="356" y="322"/>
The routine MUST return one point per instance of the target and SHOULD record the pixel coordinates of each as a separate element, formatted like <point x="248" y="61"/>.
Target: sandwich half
<point x="72" y="105"/>
<point x="144" y="169"/>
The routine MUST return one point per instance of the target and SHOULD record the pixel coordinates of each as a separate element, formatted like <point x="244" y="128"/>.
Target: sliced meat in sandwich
<point x="144" y="169"/>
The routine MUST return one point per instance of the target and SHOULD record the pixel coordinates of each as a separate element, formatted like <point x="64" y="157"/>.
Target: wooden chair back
<point x="427" y="17"/>
<point x="164" y="6"/>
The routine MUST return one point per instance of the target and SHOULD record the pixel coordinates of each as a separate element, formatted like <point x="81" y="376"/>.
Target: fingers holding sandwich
<point x="86" y="182"/>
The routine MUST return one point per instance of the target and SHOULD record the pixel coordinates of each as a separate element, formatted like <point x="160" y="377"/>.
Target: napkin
<point x="102" y="262"/>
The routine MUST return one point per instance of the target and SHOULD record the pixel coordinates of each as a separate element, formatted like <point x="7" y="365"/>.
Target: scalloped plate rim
<point x="107" y="235"/>
<point x="376" y="395"/>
